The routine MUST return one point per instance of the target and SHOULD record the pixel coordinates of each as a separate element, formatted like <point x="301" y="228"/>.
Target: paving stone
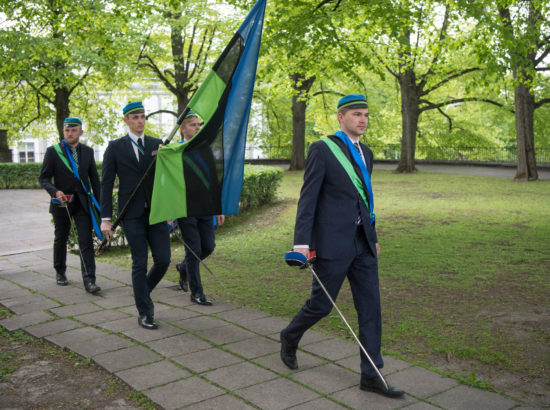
<point x="225" y="334"/>
<point x="199" y="323"/>
<point x="76" y="335"/>
<point x="119" y="301"/>
<point x="250" y="348"/>
<point x="273" y="362"/>
<point x="121" y="325"/>
<point x="126" y="358"/>
<point x="319" y="404"/>
<point x="144" y="335"/>
<point x="173" y="314"/>
<point x="28" y="304"/>
<point x="421" y="382"/>
<point x="77" y="296"/>
<point x="181" y="300"/>
<point x="93" y="347"/>
<point x="21" y="321"/>
<point x="168" y="292"/>
<point x="53" y="327"/>
<point x="217" y="307"/>
<point x="242" y="315"/>
<point x="240" y="375"/>
<point x="391" y="364"/>
<point x="206" y="360"/>
<point x="265" y="325"/>
<point x="356" y="398"/>
<point x="225" y="402"/>
<point x="151" y="375"/>
<point x="178" y="345"/>
<point x="277" y="394"/>
<point x="183" y="392"/>
<point x="101" y="316"/>
<point x="12" y="294"/>
<point x="332" y="349"/>
<point x="75" y="310"/>
<point x="421" y="405"/>
<point x="468" y="398"/>
<point x="328" y="378"/>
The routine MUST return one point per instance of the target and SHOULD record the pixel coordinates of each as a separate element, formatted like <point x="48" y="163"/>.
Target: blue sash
<point x="93" y="210"/>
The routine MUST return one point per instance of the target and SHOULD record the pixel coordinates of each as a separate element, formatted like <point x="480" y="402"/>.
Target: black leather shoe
<point x="180" y="267"/>
<point x="92" y="288"/>
<point x="61" y="279"/>
<point x="147" y="322"/>
<point x="200" y="299"/>
<point x="288" y="354"/>
<point x="376" y="385"/>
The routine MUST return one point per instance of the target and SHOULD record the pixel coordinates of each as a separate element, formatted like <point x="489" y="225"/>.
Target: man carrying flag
<point x="128" y="158"/>
<point x="223" y="102"/>
<point x="197" y="231"/>
<point x="72" y="167"/>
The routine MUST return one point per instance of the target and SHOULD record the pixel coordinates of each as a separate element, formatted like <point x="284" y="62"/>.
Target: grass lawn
<point x="464" y="272"/>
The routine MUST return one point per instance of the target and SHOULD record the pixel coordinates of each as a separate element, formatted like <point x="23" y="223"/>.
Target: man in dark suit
<point x="128" y="158"/>
<point x="335" y="219"/>
<point x="58" y="165"/>
<point x="197" y="231"/>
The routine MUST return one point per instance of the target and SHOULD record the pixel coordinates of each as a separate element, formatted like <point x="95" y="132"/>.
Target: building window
<point x="26" y="152"/>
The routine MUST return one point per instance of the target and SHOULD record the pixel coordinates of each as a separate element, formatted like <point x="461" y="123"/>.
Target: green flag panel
<point x="205" y="101"/>
<point x="169" y="195"/>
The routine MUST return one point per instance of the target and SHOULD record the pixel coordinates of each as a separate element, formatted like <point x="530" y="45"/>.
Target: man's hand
<point x="107" y="229"/>
<point x="60" y="195"/>
<point x="377" y="249"/>
<point x="220" y="219"/>
<point x="303" y="251"/>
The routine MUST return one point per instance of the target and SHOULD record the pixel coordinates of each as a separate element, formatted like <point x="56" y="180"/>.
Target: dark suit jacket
<point x="120" y="160"/>
<point x="201" y="178"/>
<point x="329" y="204"/>
<point x="64" y="179"/>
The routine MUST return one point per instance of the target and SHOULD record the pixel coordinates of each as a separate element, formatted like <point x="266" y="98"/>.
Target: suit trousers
<point x="361" y="270"/>
<point x="198" y="234"/>
<point x="139" y="233"/>
<point x="62" y="230"/>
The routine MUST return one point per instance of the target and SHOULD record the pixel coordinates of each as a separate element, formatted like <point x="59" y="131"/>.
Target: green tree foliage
<point x="55" y="50"/>
<point x="514" y="39"/>
<point x="425" y="46"/>
<point x="186" y="38"/>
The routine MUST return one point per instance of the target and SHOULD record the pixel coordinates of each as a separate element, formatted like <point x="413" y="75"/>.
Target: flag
<point x="204" y="176"/>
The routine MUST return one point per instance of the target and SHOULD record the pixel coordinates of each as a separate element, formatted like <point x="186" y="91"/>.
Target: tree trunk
<point x="409" y="119"/>
<point x="62" y="100"/>
<point x="299" y="105"/>
<point x="180" y="74"/>
<point x="525" y="110"/>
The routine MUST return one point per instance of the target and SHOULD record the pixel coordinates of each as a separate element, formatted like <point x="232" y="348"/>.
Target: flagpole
<point x="148" y="171"/>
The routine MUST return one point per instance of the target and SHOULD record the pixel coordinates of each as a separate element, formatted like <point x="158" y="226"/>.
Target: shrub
<point x="23" y="175"/>
<point x="260" y="185"/>
<point x="19" y="175"/>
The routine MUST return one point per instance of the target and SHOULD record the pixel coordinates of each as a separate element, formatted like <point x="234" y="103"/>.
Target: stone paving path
<point x="202" y="357"/>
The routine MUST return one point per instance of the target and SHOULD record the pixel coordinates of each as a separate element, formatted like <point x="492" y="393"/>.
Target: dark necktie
<point x="74" y="154"/>
<point x="141" y="150"/>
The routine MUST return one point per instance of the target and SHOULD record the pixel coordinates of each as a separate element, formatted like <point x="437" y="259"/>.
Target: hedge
<point x="259" y="186"/>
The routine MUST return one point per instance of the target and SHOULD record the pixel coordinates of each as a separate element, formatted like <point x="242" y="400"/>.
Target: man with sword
<point x="335" y="218"/>
<point x="69" y="171"/>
